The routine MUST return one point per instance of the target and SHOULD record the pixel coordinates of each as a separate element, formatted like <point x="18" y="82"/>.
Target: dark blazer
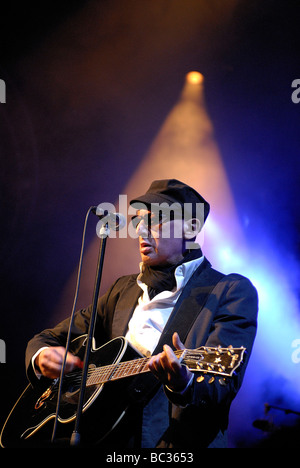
<point x="228" y="317"/>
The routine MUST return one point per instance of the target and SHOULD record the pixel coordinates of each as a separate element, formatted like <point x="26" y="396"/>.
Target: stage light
<point x="194" y="77"/>
<point x="184" y="149"/>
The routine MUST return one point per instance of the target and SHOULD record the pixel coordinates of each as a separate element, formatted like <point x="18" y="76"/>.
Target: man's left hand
<point x="167" y="368"/>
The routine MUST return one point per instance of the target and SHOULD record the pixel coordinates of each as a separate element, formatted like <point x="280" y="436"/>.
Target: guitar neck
<point x="103" y="374"/>
<point x="221" y="361"/>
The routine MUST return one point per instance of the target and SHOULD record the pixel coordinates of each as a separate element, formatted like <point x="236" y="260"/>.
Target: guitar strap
<point x="204" y="280"/>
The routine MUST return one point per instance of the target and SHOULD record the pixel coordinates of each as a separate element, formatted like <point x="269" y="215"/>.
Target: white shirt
<point x="150" y="316"/>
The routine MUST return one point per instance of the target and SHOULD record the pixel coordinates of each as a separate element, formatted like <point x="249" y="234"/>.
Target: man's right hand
<point x="49" y="362"/>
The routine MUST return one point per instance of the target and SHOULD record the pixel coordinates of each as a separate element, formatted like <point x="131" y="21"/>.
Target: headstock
<point x="221" y="361"/>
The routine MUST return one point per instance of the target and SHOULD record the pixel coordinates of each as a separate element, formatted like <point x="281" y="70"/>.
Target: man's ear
<point x="191" y="228"/>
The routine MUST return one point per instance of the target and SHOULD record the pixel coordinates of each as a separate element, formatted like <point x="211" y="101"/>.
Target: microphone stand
<point x="103" y="234"/>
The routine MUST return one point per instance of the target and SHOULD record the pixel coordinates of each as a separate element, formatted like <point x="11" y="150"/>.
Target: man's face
<point x="160" y="241"/>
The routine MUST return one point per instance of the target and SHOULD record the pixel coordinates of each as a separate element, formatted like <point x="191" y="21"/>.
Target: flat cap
<point x="170" y="191"/>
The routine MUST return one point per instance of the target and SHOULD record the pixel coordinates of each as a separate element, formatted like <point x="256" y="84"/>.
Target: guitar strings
<point x="123" y="369"/>
<point x="103" y="374"/>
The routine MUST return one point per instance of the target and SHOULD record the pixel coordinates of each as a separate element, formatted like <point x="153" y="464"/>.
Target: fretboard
<point x="103" y="374"/>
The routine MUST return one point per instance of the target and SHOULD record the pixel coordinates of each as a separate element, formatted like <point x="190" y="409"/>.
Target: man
<point x="176" y="298"/>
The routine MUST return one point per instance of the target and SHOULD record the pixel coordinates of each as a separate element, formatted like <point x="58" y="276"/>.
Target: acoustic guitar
<point x="110" y="369"/>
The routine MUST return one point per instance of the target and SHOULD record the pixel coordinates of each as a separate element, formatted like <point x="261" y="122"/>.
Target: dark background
<point x="88" y="85"/>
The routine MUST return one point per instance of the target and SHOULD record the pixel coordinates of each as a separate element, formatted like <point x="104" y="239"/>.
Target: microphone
<point x="115" y="221"/>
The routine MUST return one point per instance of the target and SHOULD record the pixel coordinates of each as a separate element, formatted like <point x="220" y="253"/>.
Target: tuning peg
<point x="199" y="365"/>
<point x="211" y="380"/>
<point x="222" y="382"/>
<point x="200" y="378"/>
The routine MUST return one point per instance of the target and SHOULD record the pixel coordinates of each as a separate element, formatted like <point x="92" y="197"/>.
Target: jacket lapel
<point x="125" y="307"/>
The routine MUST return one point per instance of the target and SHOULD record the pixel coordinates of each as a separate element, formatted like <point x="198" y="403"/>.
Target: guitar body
<point x="107" y="414"/>
<point x="30" y="423"/>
